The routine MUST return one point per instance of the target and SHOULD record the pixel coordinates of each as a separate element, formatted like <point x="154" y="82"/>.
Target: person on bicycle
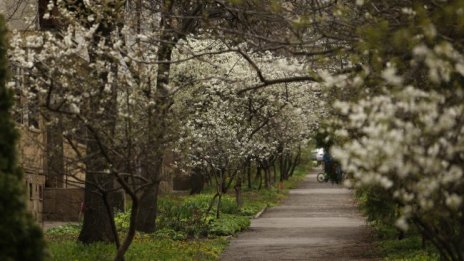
<point x="328" y="163"/>
<point x="332" y="168"/>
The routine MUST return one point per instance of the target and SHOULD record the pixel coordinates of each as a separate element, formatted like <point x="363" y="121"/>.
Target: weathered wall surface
<point x="34" y="195"/>
<point x="63" y="204"/>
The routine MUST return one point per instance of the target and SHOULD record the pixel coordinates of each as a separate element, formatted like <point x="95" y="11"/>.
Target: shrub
<point x="68" y="229"/>
<point x="189" y="216"/>
<point x="122" y="219"/>
<point x="228" y="225"/>
<point x="168" y="233"/>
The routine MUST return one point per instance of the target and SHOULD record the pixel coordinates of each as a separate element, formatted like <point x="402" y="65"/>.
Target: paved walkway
<point x="316" y="222"/>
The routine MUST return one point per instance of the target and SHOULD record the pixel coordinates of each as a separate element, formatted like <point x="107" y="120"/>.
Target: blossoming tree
<point x="401" y="129"/>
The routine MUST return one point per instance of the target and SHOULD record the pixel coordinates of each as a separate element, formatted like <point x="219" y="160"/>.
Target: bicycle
<point x="322" y="177"/>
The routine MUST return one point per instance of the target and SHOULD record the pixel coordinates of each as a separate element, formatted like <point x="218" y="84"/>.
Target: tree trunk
<point x="157" y="124"/>
<point x="238" y="192"/>
<point x="249" y="174"/>
<point x="131" y="231"/>
<point x="97" y="221"/>
<point x="146" y="218"/>
<point x="100" y="133"/>
<point x="218" y="209"/>
<point x="197" y="181"/>
<point x="267" y="177"/>
<point x="282" y="168"/>
<point x="274" y="170"/>
<point x="295" y="163"/>
<point x="259" y="177"/>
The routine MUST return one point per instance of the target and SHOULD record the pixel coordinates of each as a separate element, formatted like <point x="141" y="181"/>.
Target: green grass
<point x="185" y="232"/>
<point x="144" y="248"/>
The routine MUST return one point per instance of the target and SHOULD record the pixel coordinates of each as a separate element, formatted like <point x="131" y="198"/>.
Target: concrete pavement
<point x="316" y="222"/>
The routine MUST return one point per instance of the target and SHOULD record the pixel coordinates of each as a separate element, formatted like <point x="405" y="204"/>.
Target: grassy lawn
<point x="144" y="248"/>
<point x="185" y="232"/>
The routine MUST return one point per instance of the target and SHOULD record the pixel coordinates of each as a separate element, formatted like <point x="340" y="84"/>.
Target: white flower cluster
<point x="224" y="129"/>
<point x="407" y="138"/>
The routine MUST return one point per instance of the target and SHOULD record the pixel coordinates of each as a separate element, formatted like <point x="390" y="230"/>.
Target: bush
<point x="68" y="229"/>
<point x="409" y="248"/>
<point x="402" y="123"/>
<point x="189" y="216"/>
<point x="122" y="220"/>
<point x="168" y="233"/>
<point x="250" y="209"/>
<point x="228" y="225"/>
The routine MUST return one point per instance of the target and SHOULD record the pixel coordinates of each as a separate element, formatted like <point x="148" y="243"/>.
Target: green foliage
<point x="168" y="233"/>
<point x="122" y="219"/>
<point x="376" y="205"/>
<point x="381" y="215"/>
<point x="251" y="208"/>
<point x="181" y="216"/>
<point x="20" y="238"/>
<point x="68" y="229"/>
<point x="189" y="215"/>
<point x="228" y="225"/>
<point x="411" y="53"/>
<point x="410" y="248"/>
<point x="143" y="248"/>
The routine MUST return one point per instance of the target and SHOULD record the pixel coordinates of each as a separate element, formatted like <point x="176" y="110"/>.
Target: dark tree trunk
<point x="132" y="222"/>
<point x="267" y="177"/>
<point x="197" y="181"/>
<point x="238" y="192"/>
<point x="295" y="163"/>
<point x="100" y="133"/>
<point x="274" y="170"/>
<point x="249" y="174"/>
<point x="259" y="177"/>
<point x="97" y="221"/>
<point x="157" y="125"/>
<point x="220" y="189"/>
<point x="146" y="218"/>
<point x="283" y="173"/>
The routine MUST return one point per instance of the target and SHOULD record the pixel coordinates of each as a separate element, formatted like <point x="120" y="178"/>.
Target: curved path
<point x="316" y="222"/>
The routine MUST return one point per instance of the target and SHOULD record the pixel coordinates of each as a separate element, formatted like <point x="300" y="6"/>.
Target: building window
<point x="33" y="113"/>
<point x="31" y="192"/>
<point x="50" y="23"/>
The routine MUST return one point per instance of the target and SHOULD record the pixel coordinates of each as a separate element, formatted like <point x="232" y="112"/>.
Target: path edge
<point x="261" y="212"/>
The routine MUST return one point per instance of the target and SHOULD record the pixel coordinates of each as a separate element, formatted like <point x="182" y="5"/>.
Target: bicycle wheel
<point x="321" y="177"/>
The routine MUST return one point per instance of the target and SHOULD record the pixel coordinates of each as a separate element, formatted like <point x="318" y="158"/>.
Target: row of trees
<point x="135" y="79"/>
<point x="224" y="133"/>
<point x="132" y="80"/>
<point x="220" y="84"/>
